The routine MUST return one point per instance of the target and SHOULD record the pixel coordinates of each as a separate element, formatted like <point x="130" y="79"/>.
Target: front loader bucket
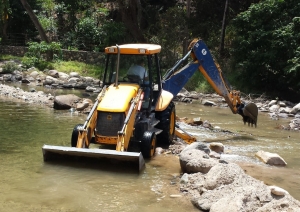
<point x="59" y="152"/>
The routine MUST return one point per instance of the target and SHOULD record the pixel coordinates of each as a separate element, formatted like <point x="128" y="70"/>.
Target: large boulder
<point x="227" y="186"/>
<point x="194" y="160"/>
<point x="222" y="174"/>
<point x="65" y="102"/>
<point x="198" y="145"/>
<point x="53" y="73"/>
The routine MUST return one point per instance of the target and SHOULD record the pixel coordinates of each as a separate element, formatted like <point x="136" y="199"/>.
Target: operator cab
<point x="130" y="55"/>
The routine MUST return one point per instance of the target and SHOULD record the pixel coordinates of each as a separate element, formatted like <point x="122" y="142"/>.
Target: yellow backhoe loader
<point x="134" y="110"/>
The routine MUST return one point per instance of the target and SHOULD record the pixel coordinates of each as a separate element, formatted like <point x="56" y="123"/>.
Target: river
<point x="29" y="184"/>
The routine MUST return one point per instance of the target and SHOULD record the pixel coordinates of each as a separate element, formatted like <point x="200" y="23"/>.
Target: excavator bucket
<point x="53" y="153"/>
<point x="250" y="112"/>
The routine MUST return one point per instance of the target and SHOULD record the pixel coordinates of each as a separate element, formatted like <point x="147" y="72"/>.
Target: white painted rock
<point x="278" y="191"/>
<point x="270" y="158"/>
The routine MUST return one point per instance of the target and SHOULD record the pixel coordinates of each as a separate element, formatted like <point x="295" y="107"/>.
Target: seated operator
<point x="139" y="71"/>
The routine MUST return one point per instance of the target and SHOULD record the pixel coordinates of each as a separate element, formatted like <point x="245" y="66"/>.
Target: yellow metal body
<point x="185" y="136"/>
<point x="117" y="98"/>
<point x="164" y="100"/>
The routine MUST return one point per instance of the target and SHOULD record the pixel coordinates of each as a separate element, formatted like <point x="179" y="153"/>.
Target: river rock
<point x="285" y="110"/>
<point x="208" y="103"/>
<point x="34" y="74"/>
<point x="229" y="187"/>
<point x="73" y="80"/>
<point x="63" y="76"/>
<point x="194" y="160"/>
<point x="74" y="74"/>
<point x="197" y="145"/>
<point x="274" y="108"/>
<point x="216" y="147"/>
<point x="270" y="158"/>
<point x="295" y="109"/>
<point x="213" y="154"/>
<point x="278" y="191"/>
<point x="53" y="73"/>
<point x="81" y="106"/>
<point x="65" y="102"/>
<point x="90" y="89"/>
<point x="222" y="174"/>
<point x="283" y="115"/>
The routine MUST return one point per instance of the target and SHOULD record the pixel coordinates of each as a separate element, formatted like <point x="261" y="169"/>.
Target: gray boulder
<point x="65" y="102"/>
<point x="194" y="160"/>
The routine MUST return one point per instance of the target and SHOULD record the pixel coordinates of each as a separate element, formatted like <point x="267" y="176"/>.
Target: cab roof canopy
<point x="137" y="48"/>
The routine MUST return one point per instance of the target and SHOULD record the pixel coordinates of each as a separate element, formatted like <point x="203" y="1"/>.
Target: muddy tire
<point x="75" y="135"/>
<point x="148" y="144"/>
<point x="166" y="124"/>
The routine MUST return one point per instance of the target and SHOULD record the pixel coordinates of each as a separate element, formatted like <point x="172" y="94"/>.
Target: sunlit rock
<point x="270" y="158"/>
<point x="216" y="147"/>
<point x="278" y="191"/>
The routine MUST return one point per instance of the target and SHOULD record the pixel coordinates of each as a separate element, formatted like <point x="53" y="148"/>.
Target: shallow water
<point x="29" y="184"/>
<point x="243" y="142"/>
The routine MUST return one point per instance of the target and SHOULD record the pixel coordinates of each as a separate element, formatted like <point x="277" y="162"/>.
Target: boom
<point x="174" y="80"/>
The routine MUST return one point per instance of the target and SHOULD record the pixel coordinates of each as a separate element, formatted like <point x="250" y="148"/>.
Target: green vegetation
<point x="63" y="66"/>
<point x="9" y="57"/>
<point x="79" y="67"/>
<point x="265" y="50"/>
<point x="260" y="52"/>
<point x="10" y="66"/>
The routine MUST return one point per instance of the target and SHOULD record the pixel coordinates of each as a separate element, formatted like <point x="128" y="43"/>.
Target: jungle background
<point x="256" y="42"/>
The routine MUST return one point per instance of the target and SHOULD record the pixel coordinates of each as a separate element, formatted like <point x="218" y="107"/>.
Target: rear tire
<point x="75" y="133"/>
<point x="148" y="144"/>
<point x="166" y="124"/>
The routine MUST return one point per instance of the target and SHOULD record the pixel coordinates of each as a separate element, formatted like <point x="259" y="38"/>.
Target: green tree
<point x="5" y="11"/>
<point x="35" y="21"/>
<point x="265" y="50"/>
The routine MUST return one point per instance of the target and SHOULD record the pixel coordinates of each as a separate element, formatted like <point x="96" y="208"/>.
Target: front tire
<point x="74" y="136"/>
<point x="148" y="144"/>
<point x="166" y="124"/>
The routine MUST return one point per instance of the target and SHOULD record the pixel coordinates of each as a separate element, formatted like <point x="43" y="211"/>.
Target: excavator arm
<point x="175" y="79"/>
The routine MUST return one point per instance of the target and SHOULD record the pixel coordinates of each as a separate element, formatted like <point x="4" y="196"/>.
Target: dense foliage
<point x="266" y="47"/>
<point x="261" y="51"/>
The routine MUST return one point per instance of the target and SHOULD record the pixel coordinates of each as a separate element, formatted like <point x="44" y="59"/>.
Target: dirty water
<point x="29" y="184"/>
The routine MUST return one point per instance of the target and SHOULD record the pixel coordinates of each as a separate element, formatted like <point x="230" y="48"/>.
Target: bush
<point x="9" y="67"/>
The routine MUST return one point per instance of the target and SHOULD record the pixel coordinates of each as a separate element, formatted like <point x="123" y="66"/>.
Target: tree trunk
<point x="223" y="30"/>
<point x="186" y="38"/>
<point x="131" y="14"/>
<point x="35" y="21"/>
<point x="5" y="25"/>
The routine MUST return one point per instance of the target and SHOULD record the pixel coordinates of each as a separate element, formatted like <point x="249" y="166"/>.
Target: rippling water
<point x="27" y="184"/>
